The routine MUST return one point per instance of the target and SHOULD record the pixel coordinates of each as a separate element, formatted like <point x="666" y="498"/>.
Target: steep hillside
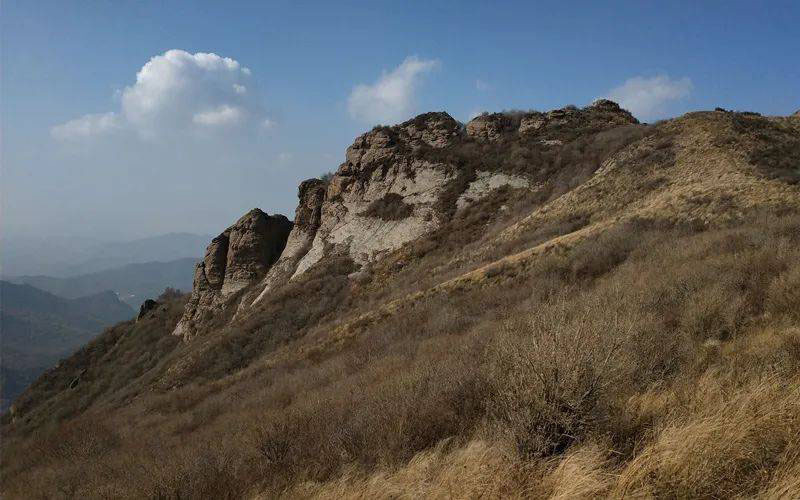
<point x="564" y="304"/>
<point x="38" y="329"/>
<point x="133" y="283"/>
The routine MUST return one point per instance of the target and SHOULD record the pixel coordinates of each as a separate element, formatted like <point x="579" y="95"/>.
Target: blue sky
<point x="305" y="78"/>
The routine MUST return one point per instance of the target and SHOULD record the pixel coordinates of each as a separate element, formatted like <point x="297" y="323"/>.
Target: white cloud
<point x="392" y="97"/>
<point x="86" y="126"/>
<point x="224" y="115"/>
<point x="647" y="98"/>
<point x="177" y="92"/>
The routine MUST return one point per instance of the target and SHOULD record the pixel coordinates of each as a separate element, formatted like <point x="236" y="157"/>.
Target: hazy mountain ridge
<point x="133" y="283"/>
<point x="65" y="258"/>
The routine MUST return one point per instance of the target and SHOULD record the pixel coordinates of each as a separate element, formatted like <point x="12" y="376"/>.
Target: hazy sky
<point x="124" y="119"/>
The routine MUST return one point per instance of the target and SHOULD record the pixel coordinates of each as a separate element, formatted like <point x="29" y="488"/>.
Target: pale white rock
<point x="384" y="161"/>
<point x="345" y="229"/>
<point x="486" y="182"/>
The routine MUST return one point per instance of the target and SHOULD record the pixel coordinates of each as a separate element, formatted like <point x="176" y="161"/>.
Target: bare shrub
<point x="551" y="374"/>
<point x="783" y="294"/>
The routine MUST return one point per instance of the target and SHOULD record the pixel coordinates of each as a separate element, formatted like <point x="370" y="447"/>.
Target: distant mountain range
<point x="65" y="258"/>
<point x="38" y="328"/>
<point x="77" y="292"/>
<point x="133" y="283"/>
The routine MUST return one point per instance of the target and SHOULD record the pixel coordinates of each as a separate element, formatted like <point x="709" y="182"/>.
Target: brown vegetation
<point x="628" y="356"/>
<point x="590" y="375"/>
<point x="390" y="207"/>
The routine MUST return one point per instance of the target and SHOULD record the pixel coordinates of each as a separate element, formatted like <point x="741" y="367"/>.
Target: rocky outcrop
<point x="531" y="122"/>
<point x="238" y="257"/>
<point x="489" y="126"/>
<point x="396" y="185"/>
<point x="386" y="165"/>
<point x="307" y="220"/>
<point x="255" y="242"/>
<point x="389" y="189"/>
<point x="437" y="130"/>
<point x="601" y="114"/>
<point x="147" y="306"/>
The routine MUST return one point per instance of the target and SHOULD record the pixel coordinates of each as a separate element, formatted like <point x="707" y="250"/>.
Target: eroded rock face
<point x="311" y="194"/>
<point x="383" y="165"/>
<point x="436" y="130"/>
<point x="238" y="257"/>
<point x="388" y="190"/>
<point x="307" y="220"/>
<point x="216" y="260"/>
<point x="485" y="183"/>
<point x="532" y="122"/>
<point x="255" y="242"/>
<point x="396" y="185"/>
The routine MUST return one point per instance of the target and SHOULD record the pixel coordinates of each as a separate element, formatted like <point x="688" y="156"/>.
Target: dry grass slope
<point x="637" y="335"/>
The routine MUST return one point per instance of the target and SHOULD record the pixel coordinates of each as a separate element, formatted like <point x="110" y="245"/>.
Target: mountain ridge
<point x="133" y="283"/>
<point x="637" y="290"/>
<point x="75" y="256"/>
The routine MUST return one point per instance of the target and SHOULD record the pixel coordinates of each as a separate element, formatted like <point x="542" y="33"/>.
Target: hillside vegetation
<point x="628" y="325"/>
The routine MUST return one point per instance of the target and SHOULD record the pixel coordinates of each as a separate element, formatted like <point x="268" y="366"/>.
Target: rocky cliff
<point x="385" y="193"/>
<point x="239" y="256"/>
<point x="307" y="220"/>
<point x="396" y="184"/>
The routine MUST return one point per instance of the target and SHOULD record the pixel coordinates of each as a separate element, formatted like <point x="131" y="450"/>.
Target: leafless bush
<point x="551" y="374"/>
